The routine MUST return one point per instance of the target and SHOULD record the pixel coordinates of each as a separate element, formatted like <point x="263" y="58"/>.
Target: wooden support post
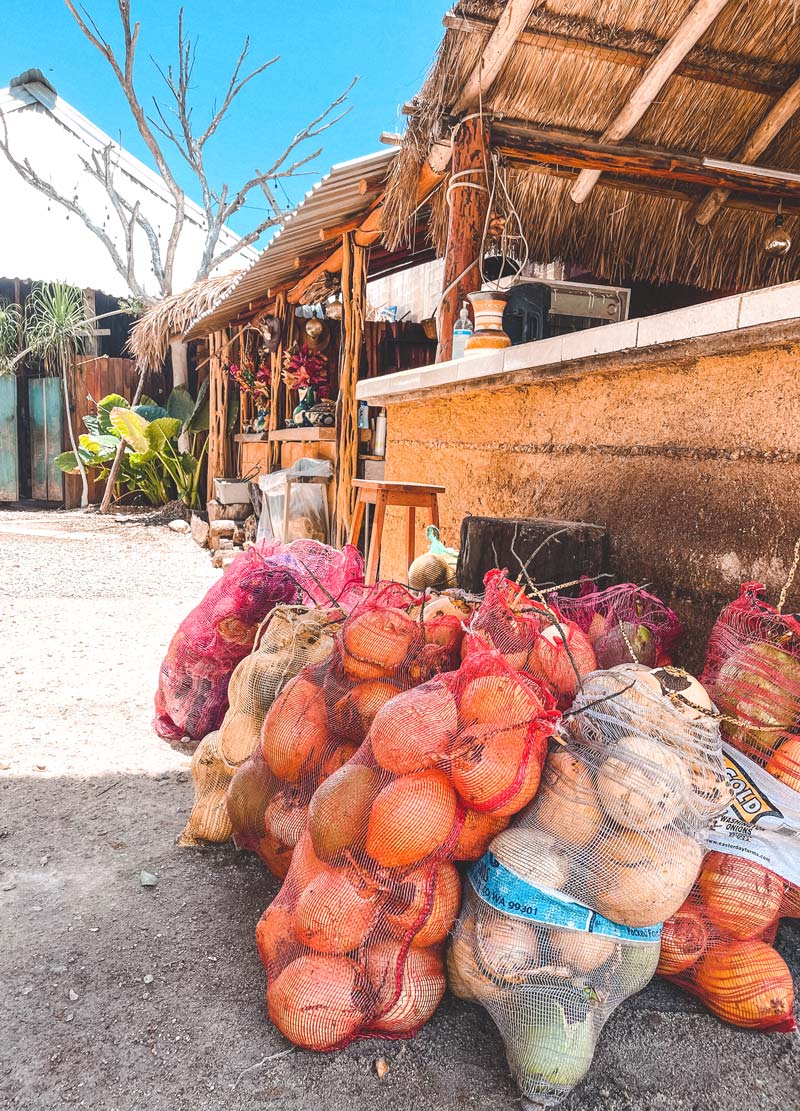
<point x="469" y="199"/>
<point x="217" y="410"/>
<point x="354" y="299"/>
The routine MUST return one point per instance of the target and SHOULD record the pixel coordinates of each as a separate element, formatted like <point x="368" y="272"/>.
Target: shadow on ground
<point x="77" y="920"/>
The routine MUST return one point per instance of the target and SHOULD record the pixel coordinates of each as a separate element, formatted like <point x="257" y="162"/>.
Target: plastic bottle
<point x="461" y="332"/>
<point x="363" y="414"/>
<point x="380" y="434"/>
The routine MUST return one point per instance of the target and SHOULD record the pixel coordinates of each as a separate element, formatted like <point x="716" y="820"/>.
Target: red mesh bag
<point x="192" y="694"/>
<point x="352" y="944"/>
<point x="752" y="672"/>
<point x="531" y="636"/>
<point x="388" y="644"/>
<point x="719" y="945"/>
<point x="609" y="616"/>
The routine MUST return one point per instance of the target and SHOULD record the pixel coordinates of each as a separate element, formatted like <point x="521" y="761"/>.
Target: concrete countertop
<point x="759" y="317"/>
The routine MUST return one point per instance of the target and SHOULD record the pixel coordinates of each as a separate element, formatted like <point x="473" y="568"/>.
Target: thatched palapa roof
<point x="169" y="318"/>
<point x="571" y="70"/>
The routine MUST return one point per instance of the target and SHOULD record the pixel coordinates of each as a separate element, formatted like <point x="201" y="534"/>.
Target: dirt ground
<point x="118" y="997"/>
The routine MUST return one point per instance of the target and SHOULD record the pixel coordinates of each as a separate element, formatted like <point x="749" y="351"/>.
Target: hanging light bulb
<point x="777" y="241"/>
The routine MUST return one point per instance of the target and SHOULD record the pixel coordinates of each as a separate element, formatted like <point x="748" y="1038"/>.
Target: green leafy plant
<point x="57" y="327"/>
<point x="10" y="334"/>
<point x="153" y="465"/>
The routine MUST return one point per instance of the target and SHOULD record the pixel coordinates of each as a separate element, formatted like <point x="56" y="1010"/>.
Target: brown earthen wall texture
<point x="694" y="467"/>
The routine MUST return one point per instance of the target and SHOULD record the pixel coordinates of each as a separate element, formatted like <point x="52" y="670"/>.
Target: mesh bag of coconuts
<point x="353" y="943"/>
<point x="719" y="944"/>
<point x="192" y="694"/>
<point x="289" y="639"/>
<point x="622" y="621"/>
<point x="562" y="917"/>
<point x="390" y="642"/>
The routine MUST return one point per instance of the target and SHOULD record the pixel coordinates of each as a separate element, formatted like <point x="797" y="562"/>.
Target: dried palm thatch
<point x="169" y="318"/>
<point x="621" y="232"/>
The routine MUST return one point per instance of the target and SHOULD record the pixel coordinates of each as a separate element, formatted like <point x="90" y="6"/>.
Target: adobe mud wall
<point x="693" y="464"/>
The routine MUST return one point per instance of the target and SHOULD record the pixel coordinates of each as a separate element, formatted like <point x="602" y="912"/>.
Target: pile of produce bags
<point x="719" y="945"/>
<point x="352" y="944"/>
<point x="562" y="918"/>
<point x="389" y="643"/>
<point x="621" y="621"/>
<point x="291" y="638"/>
<point x="192" y="694"/>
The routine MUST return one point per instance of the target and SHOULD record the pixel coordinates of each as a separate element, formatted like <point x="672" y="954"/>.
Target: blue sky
<point x="322" y="44"/>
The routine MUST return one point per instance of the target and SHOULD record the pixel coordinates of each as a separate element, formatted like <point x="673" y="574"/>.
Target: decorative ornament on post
<point x="777" y="241"/>
<point x="504" y="256"/>
<point x="253" y="379"/>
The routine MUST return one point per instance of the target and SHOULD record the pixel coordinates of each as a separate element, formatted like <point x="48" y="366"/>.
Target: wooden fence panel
<point x="90" y="380"/>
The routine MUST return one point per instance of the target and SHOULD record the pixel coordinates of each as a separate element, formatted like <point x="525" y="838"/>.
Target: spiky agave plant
<point x="57" y="327"/>
<point x="10" y="335"/>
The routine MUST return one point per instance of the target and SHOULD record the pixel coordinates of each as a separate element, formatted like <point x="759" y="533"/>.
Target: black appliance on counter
<point x="526" y="315"/>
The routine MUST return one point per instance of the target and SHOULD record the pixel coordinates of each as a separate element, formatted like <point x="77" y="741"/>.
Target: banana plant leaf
<point x="180" y="405"/>
<point x="198" y="421"/>
<point x="159" y="432"/>
<point x="99" y="447"/>
<point x="150" y="412"/>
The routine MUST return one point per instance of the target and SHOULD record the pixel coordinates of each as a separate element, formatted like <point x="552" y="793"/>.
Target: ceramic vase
<point x="488" y="307"/>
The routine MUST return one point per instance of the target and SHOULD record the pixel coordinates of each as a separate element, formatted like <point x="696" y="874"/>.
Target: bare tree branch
<point x="29" y="175"/>
<point x="172" y="127"/>
<point x="124" y="76"/>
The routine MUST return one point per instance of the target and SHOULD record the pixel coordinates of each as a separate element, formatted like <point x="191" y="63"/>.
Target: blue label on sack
<point x="505" y="891"/>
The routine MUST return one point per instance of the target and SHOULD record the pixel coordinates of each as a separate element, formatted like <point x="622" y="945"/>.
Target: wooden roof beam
<point x="649" y="187"/>
<point x="367" y="233"/>
<point x="655" y="77"/>
<point x="777" y="118"/>
<point x="551" y="146"/>
<point x="735" y="71"/>
<point x="494" y="54"/>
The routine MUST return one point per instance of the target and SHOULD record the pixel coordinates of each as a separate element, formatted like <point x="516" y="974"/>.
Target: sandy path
<point x="89" y="797"/>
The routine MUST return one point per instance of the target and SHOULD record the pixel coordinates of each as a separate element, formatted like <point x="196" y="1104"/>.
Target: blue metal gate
<point x="44" y="400"/>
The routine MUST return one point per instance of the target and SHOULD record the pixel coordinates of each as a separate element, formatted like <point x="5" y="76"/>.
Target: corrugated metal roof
<point x="333" y="200"/>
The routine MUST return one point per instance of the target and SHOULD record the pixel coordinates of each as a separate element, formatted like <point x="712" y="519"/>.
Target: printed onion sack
<point x="562" y="916"/>
<point x="352" y="944"/>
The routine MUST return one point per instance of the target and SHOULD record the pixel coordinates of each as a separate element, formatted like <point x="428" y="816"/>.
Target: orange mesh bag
<point x="719" y="944"/>
<point x="352" y="944"/>
<point x="290" y="639"/>
<point x="562" y="916"/>
<point x="532" y="636"/>
<point x="621" y="620"/>
<point x="752" y="672"/>
<point x="192" y="694"/>
<point x="389" y="643"/>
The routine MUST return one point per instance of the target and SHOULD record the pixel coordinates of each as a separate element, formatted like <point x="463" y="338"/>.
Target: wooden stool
<point x="382" y="495"/>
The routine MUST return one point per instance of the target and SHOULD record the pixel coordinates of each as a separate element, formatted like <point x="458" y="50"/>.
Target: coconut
<point x="567" y="805"/>
<point x="639" y="880"/>
<point x="535" y="857"/>
<point x="643" y="785"/>
<point x="378" y="642"/>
